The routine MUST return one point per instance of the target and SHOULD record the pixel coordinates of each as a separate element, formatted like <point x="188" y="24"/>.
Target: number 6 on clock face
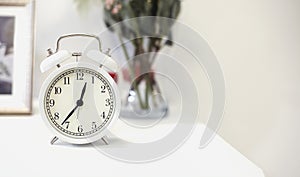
<point x="80" y="103"/>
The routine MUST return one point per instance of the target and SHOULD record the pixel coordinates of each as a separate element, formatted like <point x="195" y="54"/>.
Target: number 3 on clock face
<point x="80" y="102"/>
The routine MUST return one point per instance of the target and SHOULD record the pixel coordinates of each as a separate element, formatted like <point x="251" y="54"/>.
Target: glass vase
<point x="141" y="95"/>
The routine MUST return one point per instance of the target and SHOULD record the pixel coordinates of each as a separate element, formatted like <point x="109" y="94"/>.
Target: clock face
<point x="79" y="102"/>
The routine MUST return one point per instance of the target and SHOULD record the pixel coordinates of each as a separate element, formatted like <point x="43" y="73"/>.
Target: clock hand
<point x="83" y="91"/>
<point x="70" y="114"/>
<point x="78" y="103"/>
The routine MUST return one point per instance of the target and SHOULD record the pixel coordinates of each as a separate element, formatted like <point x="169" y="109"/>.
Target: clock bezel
<point x="100" y="133"/>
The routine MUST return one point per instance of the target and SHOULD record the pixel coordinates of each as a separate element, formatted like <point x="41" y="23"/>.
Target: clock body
<point x="79" y="102"/>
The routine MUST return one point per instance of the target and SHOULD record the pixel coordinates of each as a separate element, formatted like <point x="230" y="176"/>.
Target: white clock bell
<point x="79" y="100"/>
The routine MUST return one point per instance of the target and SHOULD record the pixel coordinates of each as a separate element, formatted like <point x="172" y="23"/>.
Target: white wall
<point x="258" y="45"/>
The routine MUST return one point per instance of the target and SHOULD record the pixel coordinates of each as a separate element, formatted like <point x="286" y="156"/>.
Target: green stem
<point x="147" y="91"/>
<point x="136" y="26"/>
<point x="153" y="95"/>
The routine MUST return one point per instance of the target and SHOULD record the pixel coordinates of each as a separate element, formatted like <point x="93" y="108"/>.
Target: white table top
<point x="25" y="151"/>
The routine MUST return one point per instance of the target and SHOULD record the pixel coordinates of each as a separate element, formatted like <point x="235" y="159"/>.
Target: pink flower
<point x="109" y="3"/>
<point x="116" y="9"/>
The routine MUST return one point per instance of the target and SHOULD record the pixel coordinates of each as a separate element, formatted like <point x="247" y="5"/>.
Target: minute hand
<point x="69" y="115"/>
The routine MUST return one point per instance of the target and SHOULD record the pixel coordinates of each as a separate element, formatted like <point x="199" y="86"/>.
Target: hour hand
<point x="83" y="91"/>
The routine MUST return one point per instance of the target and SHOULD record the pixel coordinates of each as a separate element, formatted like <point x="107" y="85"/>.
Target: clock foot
<point x="53" y="140"/>
<point x="104" y="139"/>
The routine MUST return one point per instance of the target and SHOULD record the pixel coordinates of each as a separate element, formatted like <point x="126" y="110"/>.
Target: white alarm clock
<point x="79" y="100"/>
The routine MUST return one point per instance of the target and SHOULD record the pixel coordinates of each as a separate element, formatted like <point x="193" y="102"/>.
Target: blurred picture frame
<point x="16" y="56"/>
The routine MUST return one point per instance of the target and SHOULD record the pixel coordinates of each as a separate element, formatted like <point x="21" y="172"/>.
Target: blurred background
<point x="6" y="53"/>
<point x="257" y="44"/>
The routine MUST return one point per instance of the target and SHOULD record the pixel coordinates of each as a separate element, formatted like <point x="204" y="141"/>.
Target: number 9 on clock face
<point x="80" y="102"/>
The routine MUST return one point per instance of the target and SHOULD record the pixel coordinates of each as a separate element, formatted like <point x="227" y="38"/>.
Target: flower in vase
<point x="150" y="31"/>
